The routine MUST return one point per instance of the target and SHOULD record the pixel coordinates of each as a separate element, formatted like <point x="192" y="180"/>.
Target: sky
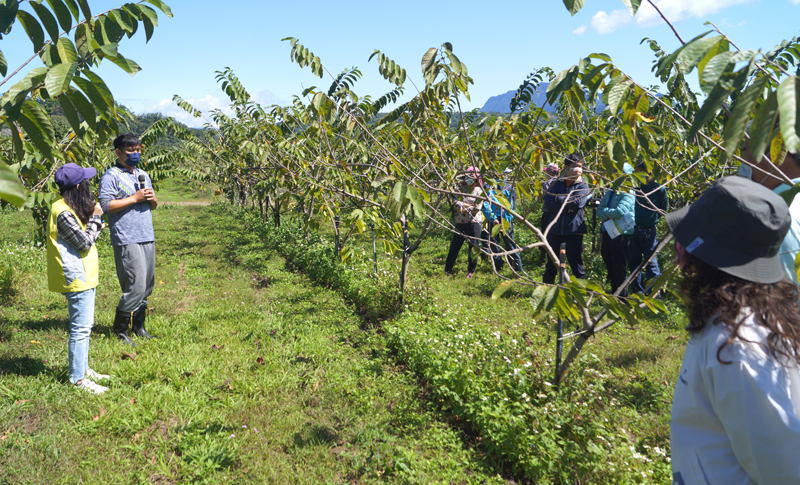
<point x="500" y="41"/>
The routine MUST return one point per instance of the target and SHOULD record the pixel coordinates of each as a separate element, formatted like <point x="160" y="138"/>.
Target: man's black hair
<point x="126" y="140"/>
<point x="574" y="158"/>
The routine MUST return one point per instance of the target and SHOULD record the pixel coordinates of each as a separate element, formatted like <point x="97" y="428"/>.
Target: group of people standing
<point x="628" y="223"/>
<point x="126" y="198"/>
<point x="471" y="212"/>
<point x="736" y="406"/>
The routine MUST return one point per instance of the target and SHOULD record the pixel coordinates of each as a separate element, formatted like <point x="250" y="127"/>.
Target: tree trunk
<point x="406" y="259"/>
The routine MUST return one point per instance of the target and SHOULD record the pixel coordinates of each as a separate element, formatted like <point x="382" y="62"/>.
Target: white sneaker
<point x="95" y="376"/>
<point x="91" y="386"/>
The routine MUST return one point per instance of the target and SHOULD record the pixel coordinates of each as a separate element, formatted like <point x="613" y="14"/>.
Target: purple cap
<point x="71" y="174"/>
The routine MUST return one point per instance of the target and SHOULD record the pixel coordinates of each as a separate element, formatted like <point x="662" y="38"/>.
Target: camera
<point x="593" y="202"/>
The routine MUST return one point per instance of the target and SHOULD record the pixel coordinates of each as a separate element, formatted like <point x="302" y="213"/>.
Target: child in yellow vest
<point x="72" y="229"/>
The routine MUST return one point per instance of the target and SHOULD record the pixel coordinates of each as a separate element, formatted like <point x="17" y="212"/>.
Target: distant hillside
<point x="501" y="102"/>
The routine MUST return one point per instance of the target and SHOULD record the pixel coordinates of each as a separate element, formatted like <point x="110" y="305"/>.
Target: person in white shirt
<point x="736" y="407"/>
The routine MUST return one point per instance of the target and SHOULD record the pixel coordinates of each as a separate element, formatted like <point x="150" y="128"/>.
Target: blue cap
<point x="71" y="174"/>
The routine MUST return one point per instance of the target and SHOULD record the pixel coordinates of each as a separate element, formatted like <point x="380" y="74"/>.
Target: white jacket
<point x="736" y="423"/>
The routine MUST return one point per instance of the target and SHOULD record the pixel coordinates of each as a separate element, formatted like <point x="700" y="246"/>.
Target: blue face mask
<point x="133" y="159"/>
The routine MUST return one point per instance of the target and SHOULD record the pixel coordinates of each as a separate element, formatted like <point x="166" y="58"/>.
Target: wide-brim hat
<point x="71" y="174"/>
<point x="736" y="226"/>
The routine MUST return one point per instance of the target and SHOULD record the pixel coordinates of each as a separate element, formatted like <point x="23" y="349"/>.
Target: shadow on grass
<point x="23" y="366"/>
<point x="633" y="357"/>
<point x="315" y="434"/>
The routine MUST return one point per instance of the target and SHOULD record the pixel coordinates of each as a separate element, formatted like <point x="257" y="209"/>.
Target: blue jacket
<point x="495" y="211"/>
<point x="572" y="220"/>
<point x="615" y="205"/>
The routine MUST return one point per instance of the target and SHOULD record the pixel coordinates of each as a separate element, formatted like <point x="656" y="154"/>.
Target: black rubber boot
<point x="122" y="321"/>
<point x="137" y="326"/>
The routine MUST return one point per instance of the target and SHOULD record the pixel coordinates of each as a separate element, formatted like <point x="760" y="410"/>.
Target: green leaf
<point x="720" y="47"/>
<point x="161" y="6"/>
<point x="633" y="5"/>
<point x="47" y="18"/>
<point x="714" y="69"/>
<point x="496" y="229"/>
<point x="101" y="87"/>
<point x="73" y="9"/>
<point x="87" y="12"/>
<point x="737" y="123"/>
<point x="62" y="14"/>
<point x="797" y="265"/>
<point x="32" y="28"/>
<point x="501" y="289"/>
<point x="617" y="95"/>
<point x="709" y="109"/>
<point x="382" y="180"/>
<point x="84" y="107"/>
<point x="83" y="40"/>
<point x="97" y="100"/>
<point x="127" y="65"/>
<point x="789" y="194"/>
<point x="122" y="19"/>
<point x="36" y="125"/>
<point x="561" y="83"/>
<point x="427" y="59"/>
<point x="763" y="123"/>
<point x="551" y="297"/>
<point x="70" y="113"/>
<point x="10" y="189"/>
<point x="3" y="64"/>
<point x="573" y="6"/>
<point x="58" y="78"/>
<point x="788" y="106"/>
<point x="693" y="52"/>
<point x="66" y="50"/>
<point x="148" y="28"/>
<point x="8" y="14"/>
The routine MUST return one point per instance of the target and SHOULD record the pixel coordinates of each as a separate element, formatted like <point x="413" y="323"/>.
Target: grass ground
<point x="259" y="376"/>
<point x="264" y="376"/>
<point x="182" y="191"/>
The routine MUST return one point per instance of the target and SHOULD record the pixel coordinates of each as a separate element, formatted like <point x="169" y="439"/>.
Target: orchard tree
<point x="71" y="42"/>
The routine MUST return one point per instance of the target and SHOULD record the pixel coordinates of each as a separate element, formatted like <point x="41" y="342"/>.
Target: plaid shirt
<point x="70" y="231"/>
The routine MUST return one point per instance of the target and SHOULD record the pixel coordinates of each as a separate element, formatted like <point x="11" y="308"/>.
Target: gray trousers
<point x="136" y="268"/>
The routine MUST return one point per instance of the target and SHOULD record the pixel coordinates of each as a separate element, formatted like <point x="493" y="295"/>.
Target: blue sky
<point x="500" y="42"/>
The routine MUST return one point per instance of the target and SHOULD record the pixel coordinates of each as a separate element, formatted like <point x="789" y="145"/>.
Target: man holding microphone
<point x="127" y="197"/>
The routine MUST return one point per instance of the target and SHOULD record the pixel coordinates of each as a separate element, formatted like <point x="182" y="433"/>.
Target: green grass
<point x="608" y="424"/>
<point x="259" y="376"/>
<point x="341" y="388"/>
<point x="182" y="190"/>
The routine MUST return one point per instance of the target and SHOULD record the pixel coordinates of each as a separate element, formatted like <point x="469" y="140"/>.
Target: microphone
<point x="141" y="180"/>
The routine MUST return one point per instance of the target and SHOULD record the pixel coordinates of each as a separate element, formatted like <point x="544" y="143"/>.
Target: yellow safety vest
<point x="68" y="270"/>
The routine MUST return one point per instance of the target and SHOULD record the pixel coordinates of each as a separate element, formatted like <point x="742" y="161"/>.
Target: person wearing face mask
<point x="128" y="204"/>
<point x="791" y="168"/>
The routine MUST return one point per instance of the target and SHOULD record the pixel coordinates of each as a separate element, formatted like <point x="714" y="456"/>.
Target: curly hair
<point x="709" y="292"/>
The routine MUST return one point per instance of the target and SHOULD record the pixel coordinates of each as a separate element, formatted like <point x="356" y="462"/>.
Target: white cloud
<point x="794" y="2"/>
<point x="206" y="105"/>
<point x="583" y="28"/>
<point x="267" y="98"/>
<point x="605" y="23"/>
<point x="674" y="10"/>
<point x="677" y="10"/>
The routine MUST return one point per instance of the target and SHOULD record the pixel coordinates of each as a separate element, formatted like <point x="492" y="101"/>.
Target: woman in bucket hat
<point x="72" y="266"/>
<point x="736" y="407"/>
